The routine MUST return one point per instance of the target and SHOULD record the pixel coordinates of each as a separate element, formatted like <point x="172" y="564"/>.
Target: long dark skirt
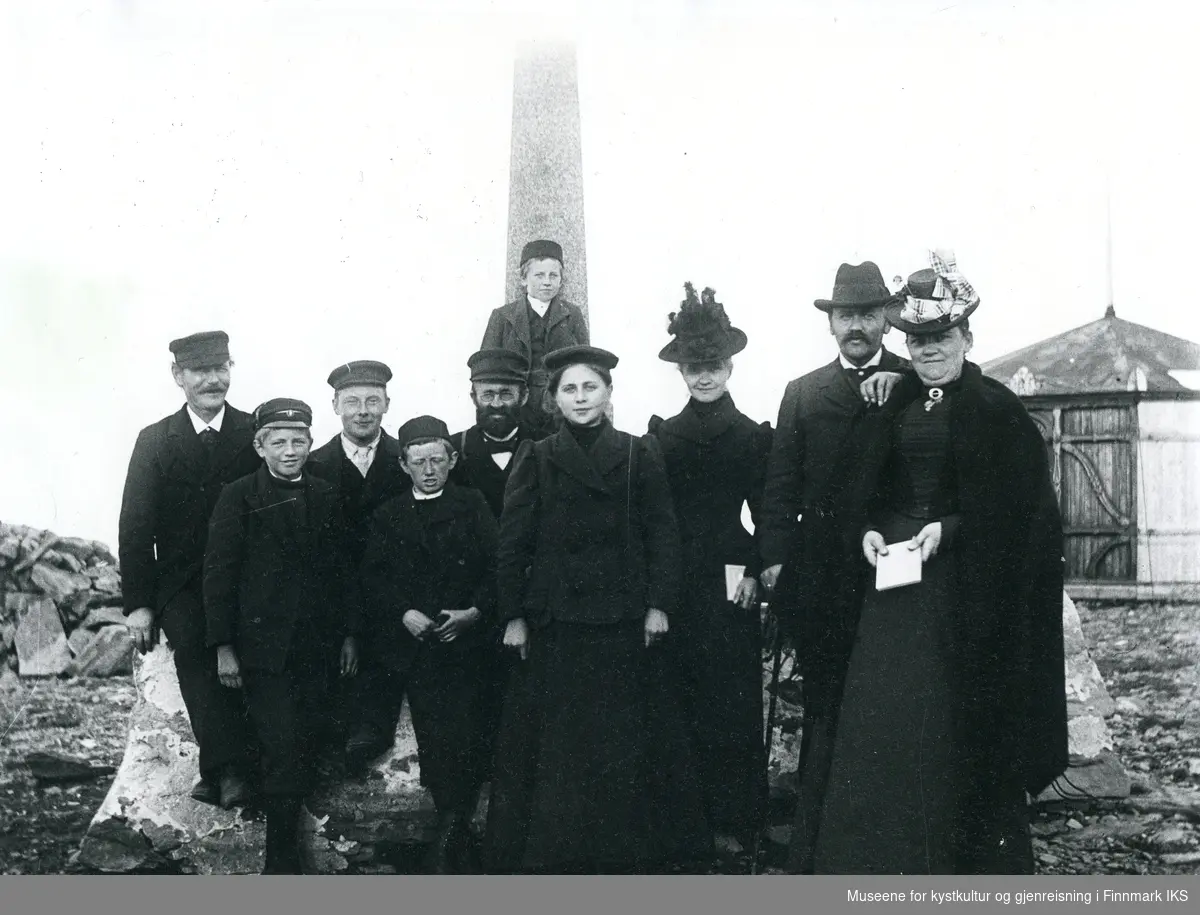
<point x="895" y="784"/>
<point x="593" y="767"/>
<point x="721" y="651"/>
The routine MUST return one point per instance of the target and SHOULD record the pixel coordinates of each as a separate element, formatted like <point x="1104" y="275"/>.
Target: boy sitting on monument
<point x="538" y="322"/>
<point x="428" y="580"/>
<point x="280" y="598"/>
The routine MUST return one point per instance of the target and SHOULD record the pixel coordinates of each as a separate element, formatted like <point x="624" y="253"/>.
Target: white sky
<point x="329" y="184"/>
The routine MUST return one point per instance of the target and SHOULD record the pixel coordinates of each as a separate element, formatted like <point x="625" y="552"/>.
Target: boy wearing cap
<point x="363" y="464"/>
<point x="282" y="603"/>
<point x="539" y="322"/>
<point x="176" y="472"/>
<point x="428" y="580"/>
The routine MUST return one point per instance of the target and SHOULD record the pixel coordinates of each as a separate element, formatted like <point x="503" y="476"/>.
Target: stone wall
<point x="60" y="606"/>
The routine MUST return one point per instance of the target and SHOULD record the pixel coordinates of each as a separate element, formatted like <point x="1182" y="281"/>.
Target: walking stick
<point x="777" y="663"/>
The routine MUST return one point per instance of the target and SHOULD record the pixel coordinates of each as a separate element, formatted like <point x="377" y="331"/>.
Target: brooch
<point x="935" y="398"/>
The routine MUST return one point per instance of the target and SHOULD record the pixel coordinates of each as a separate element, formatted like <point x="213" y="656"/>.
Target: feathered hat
<point x="702" y="330"/>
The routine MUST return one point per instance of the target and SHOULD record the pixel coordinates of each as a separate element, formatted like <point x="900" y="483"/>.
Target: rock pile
<point x="60" y="606"/>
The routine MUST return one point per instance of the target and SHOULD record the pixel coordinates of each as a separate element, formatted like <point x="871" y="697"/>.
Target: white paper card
<point x="733" y="575"/>
<point x="901" y="566"/>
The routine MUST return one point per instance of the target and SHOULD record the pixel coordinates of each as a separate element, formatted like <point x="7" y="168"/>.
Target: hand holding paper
<point x="897" y="566"/>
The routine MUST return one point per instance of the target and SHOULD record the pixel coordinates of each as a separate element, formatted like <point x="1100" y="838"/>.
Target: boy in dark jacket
<point x="428" y="579"/>
<point x="280" y="600"/>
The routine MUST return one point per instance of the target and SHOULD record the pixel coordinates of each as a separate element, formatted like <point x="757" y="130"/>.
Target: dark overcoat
<point x="443" y="558"/>
<point x="714" y="464"/>
<point x="359" y="496"/>
<point x="477" y="470"/>
<point x="588" y="538"/>
<point x="171" y="489"/>
<point x="1008" y="676"/>
<point x="716" y="459"/>
<point x="508" y="328"/>
<point x="264" y="583"/>
<point x="815" y="415"/>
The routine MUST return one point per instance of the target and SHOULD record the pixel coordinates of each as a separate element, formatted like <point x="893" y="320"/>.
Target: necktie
<point x="362" y="457"/>
<point x="208" y="438"/>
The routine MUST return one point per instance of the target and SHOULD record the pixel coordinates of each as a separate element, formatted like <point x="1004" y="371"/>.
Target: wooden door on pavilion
<point x="1092" y="445"/>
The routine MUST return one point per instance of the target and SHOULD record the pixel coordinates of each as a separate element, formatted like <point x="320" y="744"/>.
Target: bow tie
<point x="208" y="438"/>
<point x="494" y="447"/>
<point x="862" y="374"/>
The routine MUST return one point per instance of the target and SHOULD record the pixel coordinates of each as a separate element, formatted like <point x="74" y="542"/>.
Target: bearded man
<point x="485" y="451"/>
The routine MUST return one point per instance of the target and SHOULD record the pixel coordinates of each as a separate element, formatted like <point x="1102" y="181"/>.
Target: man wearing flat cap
<point x="282" y="611"/>
<point x="817" y="414"/>
<point x="429" y="582"/>
<point x="485" y="451"/>
<point x="362" y="462"/>
<point x="539" y="322"/>
<point x="176" y="472"/>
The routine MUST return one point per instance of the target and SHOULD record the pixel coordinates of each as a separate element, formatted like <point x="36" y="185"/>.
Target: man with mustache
<point x="363" y="464"/>
<point x="178" y="467"/>
<point x="485" y="451"/>
<point x="815" y="418"/>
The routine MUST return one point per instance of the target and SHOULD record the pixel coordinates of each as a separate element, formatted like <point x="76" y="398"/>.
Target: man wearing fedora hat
<point x="818" y="408"/>
<point x="282" y="611"/>
<point x="176" y="472"/>
<point x="362" y="462"/>
<point x="816" y="416"/>
<point x="539" y="322"/>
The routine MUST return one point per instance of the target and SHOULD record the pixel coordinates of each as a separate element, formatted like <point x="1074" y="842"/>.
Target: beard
<point x="497" y="421"/>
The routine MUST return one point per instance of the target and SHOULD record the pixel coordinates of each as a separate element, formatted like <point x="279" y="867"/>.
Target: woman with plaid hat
<point x="952" y="705"/>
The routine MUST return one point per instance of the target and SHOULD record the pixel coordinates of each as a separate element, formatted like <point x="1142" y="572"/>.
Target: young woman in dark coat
<point x="716" y="459"/>
<point x="949" y="693"/>
<point x="593" y="769"/>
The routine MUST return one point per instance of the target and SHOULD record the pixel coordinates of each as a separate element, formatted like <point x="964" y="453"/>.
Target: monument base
<point x="148" y="822"/>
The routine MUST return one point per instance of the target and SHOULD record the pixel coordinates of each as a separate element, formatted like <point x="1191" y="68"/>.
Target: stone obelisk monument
<point x="545" y="191"/>
<point x="148" y="821"/>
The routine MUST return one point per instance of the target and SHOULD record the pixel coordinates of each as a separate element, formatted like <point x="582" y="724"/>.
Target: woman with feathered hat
<point x="952" y="704"/>
<point x="716" y="459"/>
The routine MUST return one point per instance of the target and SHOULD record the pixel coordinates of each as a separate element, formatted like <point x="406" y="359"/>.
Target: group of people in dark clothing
<point x="573" y="612"/>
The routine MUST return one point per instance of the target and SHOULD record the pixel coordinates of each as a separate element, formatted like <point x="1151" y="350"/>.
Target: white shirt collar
<point x="298" y="479"/>
<point x="421" y="497"/>
<point x="874" y="360"/>
<point x="200" y="425"/>
<point x="538" y="305"/>
<point x="350" y="447"/>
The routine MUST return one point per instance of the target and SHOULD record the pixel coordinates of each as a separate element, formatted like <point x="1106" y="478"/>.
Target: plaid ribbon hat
<point x="935" y="298"/>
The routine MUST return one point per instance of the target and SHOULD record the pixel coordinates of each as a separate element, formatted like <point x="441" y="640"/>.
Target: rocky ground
<point x="1149" y="657"/>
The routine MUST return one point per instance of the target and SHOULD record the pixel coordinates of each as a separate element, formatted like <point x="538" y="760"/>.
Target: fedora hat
<point x="857" y="286"/>
<point x="934" y="299"/>
<point x="702" y="330"/>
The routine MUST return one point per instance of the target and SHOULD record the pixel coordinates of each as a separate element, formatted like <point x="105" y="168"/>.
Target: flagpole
<point x="1108" y="255"/>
